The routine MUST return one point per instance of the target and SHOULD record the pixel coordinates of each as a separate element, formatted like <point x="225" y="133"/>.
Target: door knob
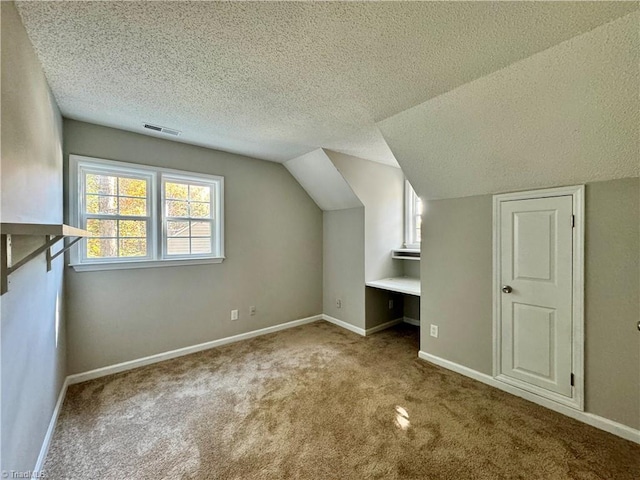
<point x="507" y="289"/>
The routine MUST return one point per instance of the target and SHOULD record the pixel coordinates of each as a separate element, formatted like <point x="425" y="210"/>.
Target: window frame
<point x="157" y="221"/>
<point x="214" y="209"/>
<point x="410" y="200"/>
<point x="83" y="216"/>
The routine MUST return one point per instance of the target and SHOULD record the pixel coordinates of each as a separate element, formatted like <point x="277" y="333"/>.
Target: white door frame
<point x="577" y="192"/>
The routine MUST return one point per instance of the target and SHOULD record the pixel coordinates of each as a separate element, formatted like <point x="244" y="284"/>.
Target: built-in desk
<point x="408" y="285"/>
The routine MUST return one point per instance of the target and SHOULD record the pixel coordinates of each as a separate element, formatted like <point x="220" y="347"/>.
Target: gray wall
<point x="273" y="245"/>
<point x="380" y="188"/>
<point x="612" y="299"/>
<point x="456" y="273"/>
<point x="343" y="260"/>
<point x="411" y="307"/>
<point x="456" y="294"/>
<point x="33" y="336"/>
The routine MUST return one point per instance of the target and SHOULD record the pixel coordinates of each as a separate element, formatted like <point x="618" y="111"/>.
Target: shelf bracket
<point x="5" y="252"/>
<point x="7" y="267"/>
<point x="67" y="247"/>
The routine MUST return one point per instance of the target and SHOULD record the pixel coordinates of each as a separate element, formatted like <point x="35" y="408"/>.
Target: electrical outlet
<point x="391" y="304"/>
<point x="434" y="331"/>
<point x="234" y="314"/>
<point x="338" y="303"/>
<point x="252" y="310"/>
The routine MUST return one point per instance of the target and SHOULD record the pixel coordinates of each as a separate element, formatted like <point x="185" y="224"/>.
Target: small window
<point x="413" y="217"/>
<point x="189" y="217"/>
<point x="143" y="216"/>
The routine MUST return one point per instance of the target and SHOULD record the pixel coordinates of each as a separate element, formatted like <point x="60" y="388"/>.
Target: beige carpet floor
<point x="319" y="402"/>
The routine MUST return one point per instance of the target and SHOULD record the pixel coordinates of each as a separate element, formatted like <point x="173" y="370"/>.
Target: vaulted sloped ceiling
<point x="317" y="174"/>
<point x="277" y="80"/>
<point x="568" y="115"/>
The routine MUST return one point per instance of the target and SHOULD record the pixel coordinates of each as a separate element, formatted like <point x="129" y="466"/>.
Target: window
<point x="412" y="217"/>
<point x="188" y="206"/>
<point x="143" y="216"/>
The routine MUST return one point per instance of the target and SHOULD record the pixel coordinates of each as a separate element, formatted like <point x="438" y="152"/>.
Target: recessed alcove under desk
<point x="408" y="285"/>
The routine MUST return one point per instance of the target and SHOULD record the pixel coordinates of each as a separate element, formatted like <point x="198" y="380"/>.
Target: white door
<point x="536" y="283"/>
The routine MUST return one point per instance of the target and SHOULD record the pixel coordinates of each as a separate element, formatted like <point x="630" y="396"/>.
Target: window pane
<point x="101" y="247"/>
<point x="200" y="229"/>
<point x="201" y="245"/>
<point x="200" y="210"/>
<point x="133" y="228"/>
<point x="102" y="205"/>
<point x="132" y="187"/>
<point x="178" y="246"/>
<point x="133" y="206"/>
<point x="418" y="206"/>
<point x="103" y="184"/>
<point x="177" y="191"/>
<point x="102" y="228"/>
<point x="177" y="229"/>
<point x="177" y="208"/>
<point x="199" y="194"/>
<point x="133" y="247"/>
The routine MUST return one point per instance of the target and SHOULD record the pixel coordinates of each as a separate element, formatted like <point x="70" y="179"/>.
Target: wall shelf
<point x="11" y="260"/>
<point x="406" y="254"/>
<point x="407" y="285"/>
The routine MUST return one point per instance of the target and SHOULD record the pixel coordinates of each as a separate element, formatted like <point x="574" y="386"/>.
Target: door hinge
<point x="572" y="380"/>
<point x="573" y="221"/>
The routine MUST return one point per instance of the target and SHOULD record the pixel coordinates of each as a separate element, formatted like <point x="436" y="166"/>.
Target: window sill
<point x="93" y="267"/>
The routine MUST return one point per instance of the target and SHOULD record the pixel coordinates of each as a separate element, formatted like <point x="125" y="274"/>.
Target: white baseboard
<point x="597" y="421"/>
<point x="383" y="326"/>
<point x="343" y="324"/>
<point x="52" y="427"/>
<point x="411" y="321"/>
<point x="140" y="362"/>
<point x="358" y="330"/>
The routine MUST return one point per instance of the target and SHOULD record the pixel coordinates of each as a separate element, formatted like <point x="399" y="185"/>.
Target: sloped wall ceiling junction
<point x="322" y="181"/>
<point x="276" y="80"/>
<point x="569" y="114"/>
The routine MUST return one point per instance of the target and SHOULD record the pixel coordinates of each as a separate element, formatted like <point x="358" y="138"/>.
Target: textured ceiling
<point x="278" y="80"/>
<point x="568" y="115"/>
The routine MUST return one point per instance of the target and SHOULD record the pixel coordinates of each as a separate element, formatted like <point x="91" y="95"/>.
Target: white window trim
<point x="156" y="233"/>
<point x="409" y="217"/>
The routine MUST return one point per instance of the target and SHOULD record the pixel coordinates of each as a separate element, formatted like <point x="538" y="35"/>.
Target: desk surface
<point x="408" y="285"/>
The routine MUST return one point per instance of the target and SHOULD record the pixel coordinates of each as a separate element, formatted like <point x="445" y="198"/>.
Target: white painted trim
<point x="597" y="421"/>
<point x="156" y="217"/>
<point x="358" y="330"/>
<point x="410" y="197"/>
<point x="94" y="267"/>
<point x="343" y="324"/>
<point x="577" y="192"/>
<point x="411" y="321"/>
<point x="140" y="362"/>
<point x="406" y="285"/>
<point x="46" y="443"/>
<point x="383" y="326"/>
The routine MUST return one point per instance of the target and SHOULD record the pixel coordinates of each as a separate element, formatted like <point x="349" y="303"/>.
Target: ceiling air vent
<point x="157" y="128"/>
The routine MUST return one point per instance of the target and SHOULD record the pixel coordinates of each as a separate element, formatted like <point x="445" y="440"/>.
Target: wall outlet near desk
<point x="234" y="314"/>
<point x="338" y="303"/>
<point x="391" y="304"/>
<point x="252" y="310"/>
<point x="434" y="331"/>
